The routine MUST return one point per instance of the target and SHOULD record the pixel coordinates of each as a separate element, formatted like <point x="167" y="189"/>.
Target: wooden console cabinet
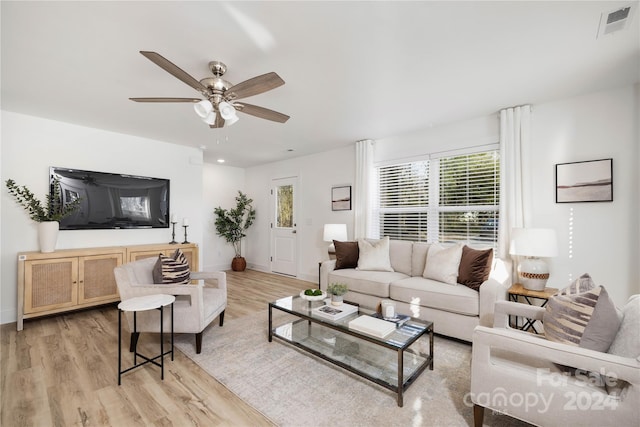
<point x="72" y="279"/>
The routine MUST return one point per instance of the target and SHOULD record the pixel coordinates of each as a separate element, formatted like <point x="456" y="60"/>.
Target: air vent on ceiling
<point x="615" y="20"/>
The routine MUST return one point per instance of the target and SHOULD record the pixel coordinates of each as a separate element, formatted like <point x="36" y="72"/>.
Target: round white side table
<point x="143" y="303"/>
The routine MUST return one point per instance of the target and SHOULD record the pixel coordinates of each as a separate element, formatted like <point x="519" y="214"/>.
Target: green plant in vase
<point x="337" y="291"/>
<point x="47" y="214"/>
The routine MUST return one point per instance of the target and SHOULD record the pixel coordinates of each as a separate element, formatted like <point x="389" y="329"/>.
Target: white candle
<point x="185" y="222"/>
<point x="174" y="218"/>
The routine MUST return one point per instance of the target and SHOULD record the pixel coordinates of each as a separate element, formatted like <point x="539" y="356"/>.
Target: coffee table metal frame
<point x="302" y="309"/>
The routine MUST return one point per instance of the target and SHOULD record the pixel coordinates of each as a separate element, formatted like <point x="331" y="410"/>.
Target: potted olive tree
<point x="232" y="224"/>
<point x="47" y="214"/>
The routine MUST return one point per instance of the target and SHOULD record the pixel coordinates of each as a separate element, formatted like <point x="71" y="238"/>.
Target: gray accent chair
<point x="196" y="305"/>
<point x="549" y="383"/>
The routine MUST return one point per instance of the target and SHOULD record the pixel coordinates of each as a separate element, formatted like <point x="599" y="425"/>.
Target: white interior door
<point x="284" y="241"/>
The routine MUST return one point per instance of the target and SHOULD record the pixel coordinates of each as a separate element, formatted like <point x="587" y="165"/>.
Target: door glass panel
<point x="284" y="206"/>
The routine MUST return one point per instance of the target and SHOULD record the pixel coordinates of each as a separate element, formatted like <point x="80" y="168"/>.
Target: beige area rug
<point x="294" y="388"/>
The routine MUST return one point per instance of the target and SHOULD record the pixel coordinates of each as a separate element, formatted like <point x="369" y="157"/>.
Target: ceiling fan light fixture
<point x="231" y="120"/>
<point x="210" y="118"/>
<point x="203" y="108"/>
<point x="227" y="111"/>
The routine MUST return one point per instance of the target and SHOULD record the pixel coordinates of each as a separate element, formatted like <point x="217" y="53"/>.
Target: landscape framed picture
<point x="589" y="181"/>
<point x="341" y="198"/>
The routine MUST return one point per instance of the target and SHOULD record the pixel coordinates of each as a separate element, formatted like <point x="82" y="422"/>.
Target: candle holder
<point x="185" y="233"/>
<point x="173" y="234"/>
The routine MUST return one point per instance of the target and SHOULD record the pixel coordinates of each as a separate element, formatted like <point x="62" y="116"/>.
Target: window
<point x="451" y="198"/>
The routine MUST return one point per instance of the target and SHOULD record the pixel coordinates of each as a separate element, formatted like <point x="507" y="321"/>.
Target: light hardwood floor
<point x="62" y="370"/>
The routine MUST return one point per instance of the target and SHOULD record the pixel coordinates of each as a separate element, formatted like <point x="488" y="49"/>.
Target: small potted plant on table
<point x="337" y="291"/>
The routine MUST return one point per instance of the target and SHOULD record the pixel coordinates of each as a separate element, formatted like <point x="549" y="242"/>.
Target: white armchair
<point x="521" y="375"/>
<point x="196" y="305"/>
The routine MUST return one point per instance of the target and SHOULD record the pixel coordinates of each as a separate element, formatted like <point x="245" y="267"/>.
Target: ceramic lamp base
<point x="534" y="274"/>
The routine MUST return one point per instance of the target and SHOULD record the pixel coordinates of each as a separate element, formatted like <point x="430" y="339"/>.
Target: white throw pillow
<point x="374" y="256"/>
<point x="443" y="263"/>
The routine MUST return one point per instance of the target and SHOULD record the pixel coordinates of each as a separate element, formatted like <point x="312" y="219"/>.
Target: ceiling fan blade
<point x="174" y="70"/>
<point x="254" y="86"/>
<point x="263" y="113"/>
<point x="166" y="99"/>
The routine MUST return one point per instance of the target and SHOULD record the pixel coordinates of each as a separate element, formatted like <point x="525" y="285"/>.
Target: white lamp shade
<point x="335" y="232"/>
<point x="227" y="111"/>
<point x="533" y="242"/>
<point x="210" y="118"/>
<point x="203" y="108"/>
<point x="231" y="120"/>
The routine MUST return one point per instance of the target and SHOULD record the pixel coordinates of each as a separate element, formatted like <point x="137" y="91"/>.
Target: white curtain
<point x="515" y="141"/>
<point x="362" y="201"/>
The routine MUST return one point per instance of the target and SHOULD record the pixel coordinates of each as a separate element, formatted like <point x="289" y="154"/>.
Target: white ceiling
<point x="353" y="70"/>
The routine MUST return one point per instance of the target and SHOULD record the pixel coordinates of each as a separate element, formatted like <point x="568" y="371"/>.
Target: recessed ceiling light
<point x="220" y="160"/>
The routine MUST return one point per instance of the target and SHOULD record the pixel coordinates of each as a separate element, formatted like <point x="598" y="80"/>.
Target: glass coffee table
<point x="394" y="361"/>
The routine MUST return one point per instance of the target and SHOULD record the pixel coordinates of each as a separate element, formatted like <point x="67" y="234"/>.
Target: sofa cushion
<point x="443" y="263"/>
<point x="419" y="258"/>
<point x="172" y="270"/>
<point x="627" y="341"/>
<point x="583" y="315"/>
<point x="436" y="295"/>
<point x="346" y="254"/>
<point x="475" y="267"/>
<point x="400" y="255"/>
<point x="375" y="283"/>
<point x="374" y="255"/>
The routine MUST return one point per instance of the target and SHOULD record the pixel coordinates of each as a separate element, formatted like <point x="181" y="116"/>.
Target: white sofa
<point x="455" y="310"/>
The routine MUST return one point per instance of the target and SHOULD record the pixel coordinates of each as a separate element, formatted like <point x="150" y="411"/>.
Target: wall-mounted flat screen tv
<point x="112" y="201"/>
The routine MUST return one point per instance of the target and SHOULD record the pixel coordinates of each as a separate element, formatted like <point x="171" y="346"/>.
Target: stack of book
<point x="335" y="312"/>
<point x="399" y="320"/>
<point x="372" y="326"/>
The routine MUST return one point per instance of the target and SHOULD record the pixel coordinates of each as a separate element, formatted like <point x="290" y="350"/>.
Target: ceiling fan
<point x="220" y="105"/>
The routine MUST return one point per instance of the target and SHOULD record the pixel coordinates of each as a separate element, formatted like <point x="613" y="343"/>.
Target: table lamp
<point x="533" y="244"/>
<point x="334" y="232"/>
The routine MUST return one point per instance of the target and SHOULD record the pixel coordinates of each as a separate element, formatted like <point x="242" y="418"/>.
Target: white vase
<point x="336" y="299"/>
<point x="48" y="235"/>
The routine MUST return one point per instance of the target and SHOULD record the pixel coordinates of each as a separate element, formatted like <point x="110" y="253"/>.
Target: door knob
<point x="294" y="231"/>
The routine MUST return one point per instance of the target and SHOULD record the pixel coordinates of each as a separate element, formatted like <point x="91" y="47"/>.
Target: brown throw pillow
<point x="475" y="267"/>
<point x="172" y="270"/>
<point x="346" y="254"/>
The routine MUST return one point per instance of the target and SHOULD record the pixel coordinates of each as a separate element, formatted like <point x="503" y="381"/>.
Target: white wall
<point x="220" y="188"/>
<point x="606" y="234"/>
<point x="31" y="145"/>
<point x="453" y="136"/>
<point x="316" y="175"/>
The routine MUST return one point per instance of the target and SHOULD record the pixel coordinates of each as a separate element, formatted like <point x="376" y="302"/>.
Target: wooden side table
<point x="143" y="303"/>
<point x="517" y="290"/>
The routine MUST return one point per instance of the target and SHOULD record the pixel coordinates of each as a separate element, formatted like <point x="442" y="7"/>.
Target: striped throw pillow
<point x="173" y="270"/>
<point x="582" y="315"/>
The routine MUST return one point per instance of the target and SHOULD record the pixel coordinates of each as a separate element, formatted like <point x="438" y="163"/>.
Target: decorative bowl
<point x="313" y="297"/>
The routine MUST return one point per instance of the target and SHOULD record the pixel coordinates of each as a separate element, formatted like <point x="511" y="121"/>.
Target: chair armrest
<point x="491" y="292"/>
<point x="504" y="309"/>
<point x="325" y="268"/>
<point x="150" y="289"/>
<point x="220" y="276"/>
<point x="487" y="339"/>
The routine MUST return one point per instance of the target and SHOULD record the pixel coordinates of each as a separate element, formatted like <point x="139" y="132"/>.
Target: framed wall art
<point x="341" y="198"/>
<point x="589" y="181"/>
